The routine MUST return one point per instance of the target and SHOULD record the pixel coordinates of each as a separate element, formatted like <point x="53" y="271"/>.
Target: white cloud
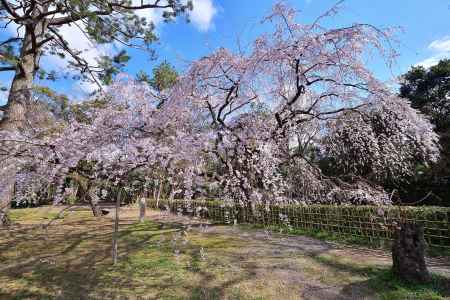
<point x="431" y="61"/>
<point x="152" y="15"/>
<point x="76" y="40"/>
<point x="79" y="41"/>
<point x="90" y="52"/>
<point x="203" y="14"/>
<point x="201" y="17"/>
<point x="441" y="45"/>
<point x="440" y="49"/>
<point x="81" y="89"/>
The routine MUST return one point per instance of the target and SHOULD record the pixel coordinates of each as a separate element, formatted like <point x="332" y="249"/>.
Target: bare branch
<point x="10" y="40"/>
<point x="7" y="69"/>
<point x="9" y="9"/>
<point x="110" y="8"/>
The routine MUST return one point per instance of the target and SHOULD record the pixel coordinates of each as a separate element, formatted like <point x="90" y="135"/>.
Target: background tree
<point x="164" y="77"/>
<point x="429" y="91"/>
<point x="41" y="21"/>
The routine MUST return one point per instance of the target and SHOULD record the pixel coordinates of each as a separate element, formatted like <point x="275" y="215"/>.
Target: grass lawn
<point x="171" y="257"/>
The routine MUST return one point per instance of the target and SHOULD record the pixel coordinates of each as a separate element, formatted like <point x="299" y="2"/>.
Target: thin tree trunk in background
<point x="116" y="230"/>
<point x="142" y="206"/>
<point x="172" y="193"/>
<point x="159" y="193"/>
<point x="93" y="201"/>
<point x="154" y="192"/>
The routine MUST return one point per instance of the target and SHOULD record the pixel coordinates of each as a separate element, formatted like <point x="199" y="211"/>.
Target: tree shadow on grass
<point x="75" y="264"/>
<point x="383" y="283"/>
<point x="69" y="265"/>
<point x="380" y="280"/>
<point x="216" y="291"/>
<point x="387" y="286"/>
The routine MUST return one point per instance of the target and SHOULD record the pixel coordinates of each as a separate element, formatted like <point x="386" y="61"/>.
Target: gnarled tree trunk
<point x="87" y="192"/>
<point x="408" y="253"/>
<point x="20" y="93"/>
<point x="94" y="201"/>
<point x="16" y="109"/>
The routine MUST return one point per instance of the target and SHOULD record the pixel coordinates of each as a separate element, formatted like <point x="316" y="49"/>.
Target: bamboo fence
<point x="373" y="223"/>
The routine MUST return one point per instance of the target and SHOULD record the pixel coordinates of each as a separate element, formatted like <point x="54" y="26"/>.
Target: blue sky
<point x="221" y="23"/>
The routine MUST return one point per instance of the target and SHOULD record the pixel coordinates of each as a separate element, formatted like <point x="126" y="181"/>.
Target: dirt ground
<point x="262" y="244"/>
<point x="175" y="257"/>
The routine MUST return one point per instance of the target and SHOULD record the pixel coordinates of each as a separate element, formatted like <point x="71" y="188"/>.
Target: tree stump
<point x="408" y="253"/>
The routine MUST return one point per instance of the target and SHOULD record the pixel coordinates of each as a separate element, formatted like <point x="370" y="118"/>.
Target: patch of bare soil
<point x="278" y="255"/>
<point x="40" y="260"/>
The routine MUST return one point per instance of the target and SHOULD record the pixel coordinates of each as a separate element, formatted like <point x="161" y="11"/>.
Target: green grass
<point x="71" y="259"/>
<point x="388" y="286"/>
<point x="391" y="288"/>
<point x="33" y="215"/>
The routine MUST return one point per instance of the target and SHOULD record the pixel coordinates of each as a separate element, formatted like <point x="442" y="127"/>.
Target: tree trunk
<point x="159" y="193"/>
<point x="15" y="111"/>
<point x="6" y="194"/>
<point x="116" y="230"/>
<point x="20" y="93"/>
<point x="142" y="207"/>
<point x="171" y="194"/>
<point x="93" y="201"/>
<point x="154" y="192"/>
<point x="7" y="181"/>
<point x="87" y="191"/>
<point x="408" y="253"/>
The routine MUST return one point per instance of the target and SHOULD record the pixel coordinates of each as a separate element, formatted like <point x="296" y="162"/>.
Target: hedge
<point x="374" y="223"/>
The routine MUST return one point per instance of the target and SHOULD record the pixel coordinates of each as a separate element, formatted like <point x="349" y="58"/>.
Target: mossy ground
<point x="170" y="257"/>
